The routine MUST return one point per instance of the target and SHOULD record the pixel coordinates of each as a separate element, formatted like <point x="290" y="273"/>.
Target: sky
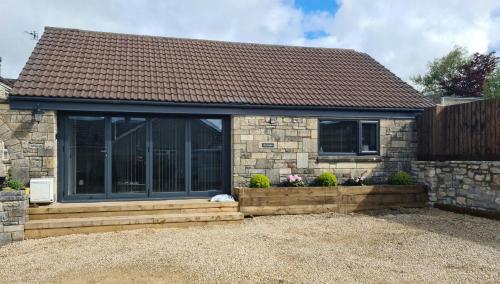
<point x="402" y="35"/>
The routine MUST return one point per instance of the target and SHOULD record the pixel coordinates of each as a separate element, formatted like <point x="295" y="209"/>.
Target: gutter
<point x="201" y="105"/>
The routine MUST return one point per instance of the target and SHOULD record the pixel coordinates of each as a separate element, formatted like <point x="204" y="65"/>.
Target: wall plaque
<point x="267" y="145"/>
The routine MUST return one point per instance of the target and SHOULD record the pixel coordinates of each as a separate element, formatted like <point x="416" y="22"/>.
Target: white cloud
<point x="405" y="35"/>
<point x="402" y="35"/>
<point x="268" y="21"/>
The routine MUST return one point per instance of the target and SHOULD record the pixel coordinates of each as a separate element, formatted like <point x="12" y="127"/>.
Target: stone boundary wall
<point x="13" y="216"/>
<point x="295" y="150"/>
<point x="465" y="184"/>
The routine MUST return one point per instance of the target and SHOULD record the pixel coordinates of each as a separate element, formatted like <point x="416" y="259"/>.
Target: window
<point x="369" y="133"/>
<point x="354" y="137"/>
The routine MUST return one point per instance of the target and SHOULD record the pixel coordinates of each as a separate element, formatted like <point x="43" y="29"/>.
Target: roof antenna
<point x="33" y="34"/>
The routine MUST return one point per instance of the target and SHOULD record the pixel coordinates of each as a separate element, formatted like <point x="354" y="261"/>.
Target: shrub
<point x="401" y="178"/>
<point x="15" y="184"/>
<point x="259" y="181"/>
<point x="326" y="179"/>
<point x="295" y="181"/>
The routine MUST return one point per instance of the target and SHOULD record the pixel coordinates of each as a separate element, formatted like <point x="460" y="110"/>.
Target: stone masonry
<point x="13" y="216"/>
<point x="294" y="150"/>
<point x="468" y="184"/>
<point x="27" y="148"/>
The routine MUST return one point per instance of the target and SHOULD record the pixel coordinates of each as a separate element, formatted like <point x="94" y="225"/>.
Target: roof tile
<point x="73" y="63"/>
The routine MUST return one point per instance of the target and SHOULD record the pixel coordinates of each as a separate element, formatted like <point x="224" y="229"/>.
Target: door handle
<point x="105" y="153"/>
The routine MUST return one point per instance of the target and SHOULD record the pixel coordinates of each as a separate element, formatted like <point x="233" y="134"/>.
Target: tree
<point x="492" y="85"/>
<point x="470" y="79"/>
<point x="441" y="69"/>
<point x="457" y="74"/>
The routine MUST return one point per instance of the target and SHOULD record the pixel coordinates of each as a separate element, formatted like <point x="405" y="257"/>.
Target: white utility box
<point x="42" y="190"/>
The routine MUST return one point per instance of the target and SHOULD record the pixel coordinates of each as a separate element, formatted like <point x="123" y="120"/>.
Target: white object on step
<point x="222" y="198"/>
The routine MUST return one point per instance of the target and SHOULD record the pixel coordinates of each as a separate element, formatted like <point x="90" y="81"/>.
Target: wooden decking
<point x="76" y="218"/>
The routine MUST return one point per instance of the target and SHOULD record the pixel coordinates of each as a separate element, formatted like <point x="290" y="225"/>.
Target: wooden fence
<point x="469" y="131"/>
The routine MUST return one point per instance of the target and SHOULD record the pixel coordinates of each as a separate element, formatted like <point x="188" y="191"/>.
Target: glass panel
<point x="369" y="137"/>
<point x="206" y="154"/>
<point x="168" y="155"/>
<point x="338" y="136"/>
<point x="128" y="136"/>
<point x="86" y="146"/>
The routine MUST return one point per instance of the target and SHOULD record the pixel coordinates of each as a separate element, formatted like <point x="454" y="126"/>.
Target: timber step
<point x="129" y="208"/>
<point x="65" y="226"/>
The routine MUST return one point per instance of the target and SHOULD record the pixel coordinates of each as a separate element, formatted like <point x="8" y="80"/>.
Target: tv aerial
<point x="33" y="34"/>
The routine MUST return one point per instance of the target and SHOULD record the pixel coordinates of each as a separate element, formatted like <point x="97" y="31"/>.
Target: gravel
<point x="407" y="245"/>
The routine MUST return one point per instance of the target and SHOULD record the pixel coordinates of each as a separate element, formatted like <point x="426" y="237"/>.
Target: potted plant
<point x="294" y="181"/>
<point x="13" y="184"/>
<point x="401" y="178"/>
<point x="326" y="179"/>
<point x="355" y="181"/>
<point x="259" y="181"/>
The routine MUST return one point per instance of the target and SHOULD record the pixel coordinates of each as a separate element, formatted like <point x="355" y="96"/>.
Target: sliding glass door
<point x="86" y="155"/>
<point x="128" y="164"/>
<point x="206" y="154"/>
<point x="124" y="156"/>
<point x="169" y="155"/>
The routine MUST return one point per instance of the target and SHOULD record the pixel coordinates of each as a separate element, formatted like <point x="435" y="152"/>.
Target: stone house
<point x="5" y="86"/>
<point x="114" y="116"/>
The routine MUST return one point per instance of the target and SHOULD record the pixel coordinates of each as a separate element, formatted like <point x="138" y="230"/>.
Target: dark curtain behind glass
<point x="129" y="154"/>
<point x="168" y="154"/>
<point x="338" y="136"/>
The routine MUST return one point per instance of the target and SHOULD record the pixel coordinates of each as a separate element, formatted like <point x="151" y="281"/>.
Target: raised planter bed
<point x="287" y="200"/>
<point x="308" y="200"/>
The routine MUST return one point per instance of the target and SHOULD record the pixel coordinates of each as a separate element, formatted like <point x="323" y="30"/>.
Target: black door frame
<point x="63" y="158"/>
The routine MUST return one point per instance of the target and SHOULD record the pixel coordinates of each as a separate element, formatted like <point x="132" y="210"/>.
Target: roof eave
<point x="99" y="105"/>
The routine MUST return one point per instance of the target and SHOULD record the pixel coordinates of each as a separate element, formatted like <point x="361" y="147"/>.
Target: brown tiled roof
<point x="7" y="81"/>
<point x="73" y="63"/>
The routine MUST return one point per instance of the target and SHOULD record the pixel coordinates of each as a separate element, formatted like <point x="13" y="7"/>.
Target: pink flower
<point x="291" y="178"/>
<point x="298" y="178"/>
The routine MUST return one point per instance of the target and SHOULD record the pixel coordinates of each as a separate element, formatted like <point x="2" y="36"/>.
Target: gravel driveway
<point x="412" y="245"/>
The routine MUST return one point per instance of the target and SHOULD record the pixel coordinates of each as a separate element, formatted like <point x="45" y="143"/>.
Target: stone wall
<point x="295" y="150"/>
<point x="13" y="216"/>
<point x="467" y="184"/>
<point x="27" y="148"/>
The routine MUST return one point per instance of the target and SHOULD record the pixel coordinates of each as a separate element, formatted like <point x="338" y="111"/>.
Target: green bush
<point x="259" y="181"/>
<point x="326" y="179"/>
<point x="15" y="184"/>
<point x="401" y="178"/>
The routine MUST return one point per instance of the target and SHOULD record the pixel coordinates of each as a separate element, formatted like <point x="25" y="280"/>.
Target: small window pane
<point x="369" y="137"/>
<point x="338" y="136"/>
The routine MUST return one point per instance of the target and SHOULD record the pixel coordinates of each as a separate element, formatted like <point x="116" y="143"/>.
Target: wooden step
<point x="58" y="227"/>
<point x="129" y="208"/>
